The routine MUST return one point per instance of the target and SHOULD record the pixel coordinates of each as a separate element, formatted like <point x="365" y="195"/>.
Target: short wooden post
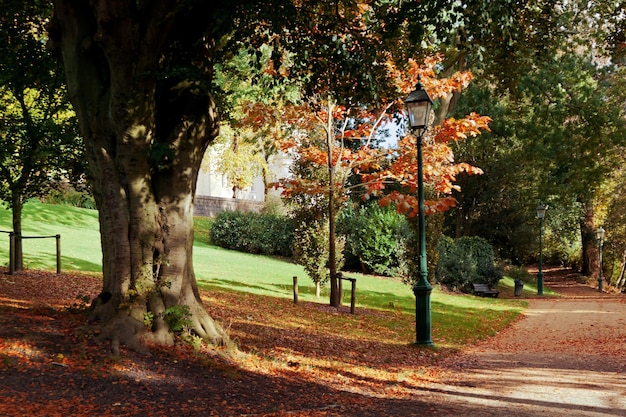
<point x="58" y="253"/>
<point x="340" y="281"/>
<point x="353" y="296"/>
<point x="11" y="253"/>
<point x="295" y="290"/>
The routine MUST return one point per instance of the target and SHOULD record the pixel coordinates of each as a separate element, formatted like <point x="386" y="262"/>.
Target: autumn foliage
<point x="350" y="144"/>
<point x="288" y="363"/>
<point x="440" y="168"/>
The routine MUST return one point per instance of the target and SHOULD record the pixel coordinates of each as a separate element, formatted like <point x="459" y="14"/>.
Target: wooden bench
<point x="483" y="290"/>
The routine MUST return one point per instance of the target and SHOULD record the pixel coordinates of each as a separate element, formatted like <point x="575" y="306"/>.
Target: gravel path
<point x="567" y="357"/>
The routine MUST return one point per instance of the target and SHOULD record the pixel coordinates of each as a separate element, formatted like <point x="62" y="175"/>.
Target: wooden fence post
<point x="353" y="295"/>
<point x="58" y="253"/>
<point x="295" y="290"/>
<point x="11" y="253"/>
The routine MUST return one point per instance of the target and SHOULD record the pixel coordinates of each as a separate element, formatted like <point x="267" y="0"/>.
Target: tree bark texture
<point x="18" y="252"/>
<point x="146" y="128"/>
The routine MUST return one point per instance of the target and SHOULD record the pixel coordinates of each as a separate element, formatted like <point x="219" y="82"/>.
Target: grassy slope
<point x="456" y="319"/>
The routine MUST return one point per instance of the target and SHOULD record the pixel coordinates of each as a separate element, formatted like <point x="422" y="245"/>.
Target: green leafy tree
<point x="39" y="144"/>
<point x="240" y="163"/>
<point x="250" y="84"/>
<point x="556" y="119"/>
<point x="140" y="76"/>
<point x="568" y="134"/>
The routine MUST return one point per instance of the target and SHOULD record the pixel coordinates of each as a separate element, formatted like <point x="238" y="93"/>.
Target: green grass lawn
<point x="80" y="238"/>
<point x="457" y="318"/>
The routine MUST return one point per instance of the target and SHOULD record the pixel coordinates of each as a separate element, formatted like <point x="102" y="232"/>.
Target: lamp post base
<point x="423" y="322"/>
<point x="540" y="283"/>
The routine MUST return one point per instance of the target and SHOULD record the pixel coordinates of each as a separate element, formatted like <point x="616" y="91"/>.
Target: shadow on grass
<point x="208" y="283"/>
<point x="74" y="377"/>
<point x="319" y="364"/>
<point x="453" y="325"/>
<point x="48" y="262"/>
<point x="78" y="264"/>
<point x="457" y="319"/>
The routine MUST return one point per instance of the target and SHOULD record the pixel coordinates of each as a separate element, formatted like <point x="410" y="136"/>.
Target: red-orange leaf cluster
<point x="439" y="167"/>
<point x="318" y="133"/>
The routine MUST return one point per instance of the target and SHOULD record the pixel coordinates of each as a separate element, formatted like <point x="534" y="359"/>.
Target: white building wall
<point x="211" y="183"/>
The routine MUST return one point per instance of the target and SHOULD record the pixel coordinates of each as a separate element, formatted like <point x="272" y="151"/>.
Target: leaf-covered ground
<point x="294" y="360"/>
<point x="287" y="364"/>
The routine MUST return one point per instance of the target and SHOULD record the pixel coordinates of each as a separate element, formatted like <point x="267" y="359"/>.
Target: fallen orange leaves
<point x="291" y="361"/>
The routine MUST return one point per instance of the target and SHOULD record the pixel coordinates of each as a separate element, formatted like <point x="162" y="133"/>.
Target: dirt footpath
<point x="567" y="357"/>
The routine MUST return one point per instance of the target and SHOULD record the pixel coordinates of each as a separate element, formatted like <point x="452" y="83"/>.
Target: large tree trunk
<point x="145" y="133"/>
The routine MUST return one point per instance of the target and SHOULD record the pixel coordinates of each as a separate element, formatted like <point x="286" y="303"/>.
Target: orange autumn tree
<point x="440" y="168"/>
<point x="339" y="142"/>
<point x="328" y="143"/>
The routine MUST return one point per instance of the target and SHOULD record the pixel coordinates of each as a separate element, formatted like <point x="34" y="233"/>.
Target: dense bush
<point x="560" y="252"/>
<point x="311" y="250"/>
<point x="465" y="261"/>
<point x="376" y="236"/>
<point x="266" y="234"/>
<point x="518" y="273"/>
<point x="70" y="197"/>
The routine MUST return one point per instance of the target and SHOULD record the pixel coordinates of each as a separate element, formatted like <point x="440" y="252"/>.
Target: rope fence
<point x="12" y="239"/>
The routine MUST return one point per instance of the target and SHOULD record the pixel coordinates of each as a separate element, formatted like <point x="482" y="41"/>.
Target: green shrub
<point x="70" y="197"/>
<point x="226" y="230"/>
<point x="465" y="261"/>
<point x="518" y="273"/>
<point x="376" y="237"/>
<point x="561" y="252"/>
<point x="311" y="250"/>
<point x="265" y="234"/>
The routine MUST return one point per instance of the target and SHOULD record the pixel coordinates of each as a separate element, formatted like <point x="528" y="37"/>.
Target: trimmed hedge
<point x="265" y="234"/>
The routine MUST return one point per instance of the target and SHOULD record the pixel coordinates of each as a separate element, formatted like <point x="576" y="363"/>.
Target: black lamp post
<point x="541" y="213"/>
<point x="418" y="105"/>
<point x="600" y="235"/>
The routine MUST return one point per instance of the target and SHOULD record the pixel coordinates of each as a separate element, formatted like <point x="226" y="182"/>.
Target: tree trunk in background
<point x="18" y="252"/>
<point x="590" y="255"/>
<point x="335" y="281"/>
<point x="145" y="135"/>
<point x="621" y="278"/>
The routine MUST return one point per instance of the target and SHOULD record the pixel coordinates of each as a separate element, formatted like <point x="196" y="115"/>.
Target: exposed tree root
<point x="121" y="328"/>
<point x="204" y="326"/>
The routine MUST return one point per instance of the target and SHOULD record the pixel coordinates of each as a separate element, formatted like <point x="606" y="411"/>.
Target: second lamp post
<point x="418" y="105"/>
